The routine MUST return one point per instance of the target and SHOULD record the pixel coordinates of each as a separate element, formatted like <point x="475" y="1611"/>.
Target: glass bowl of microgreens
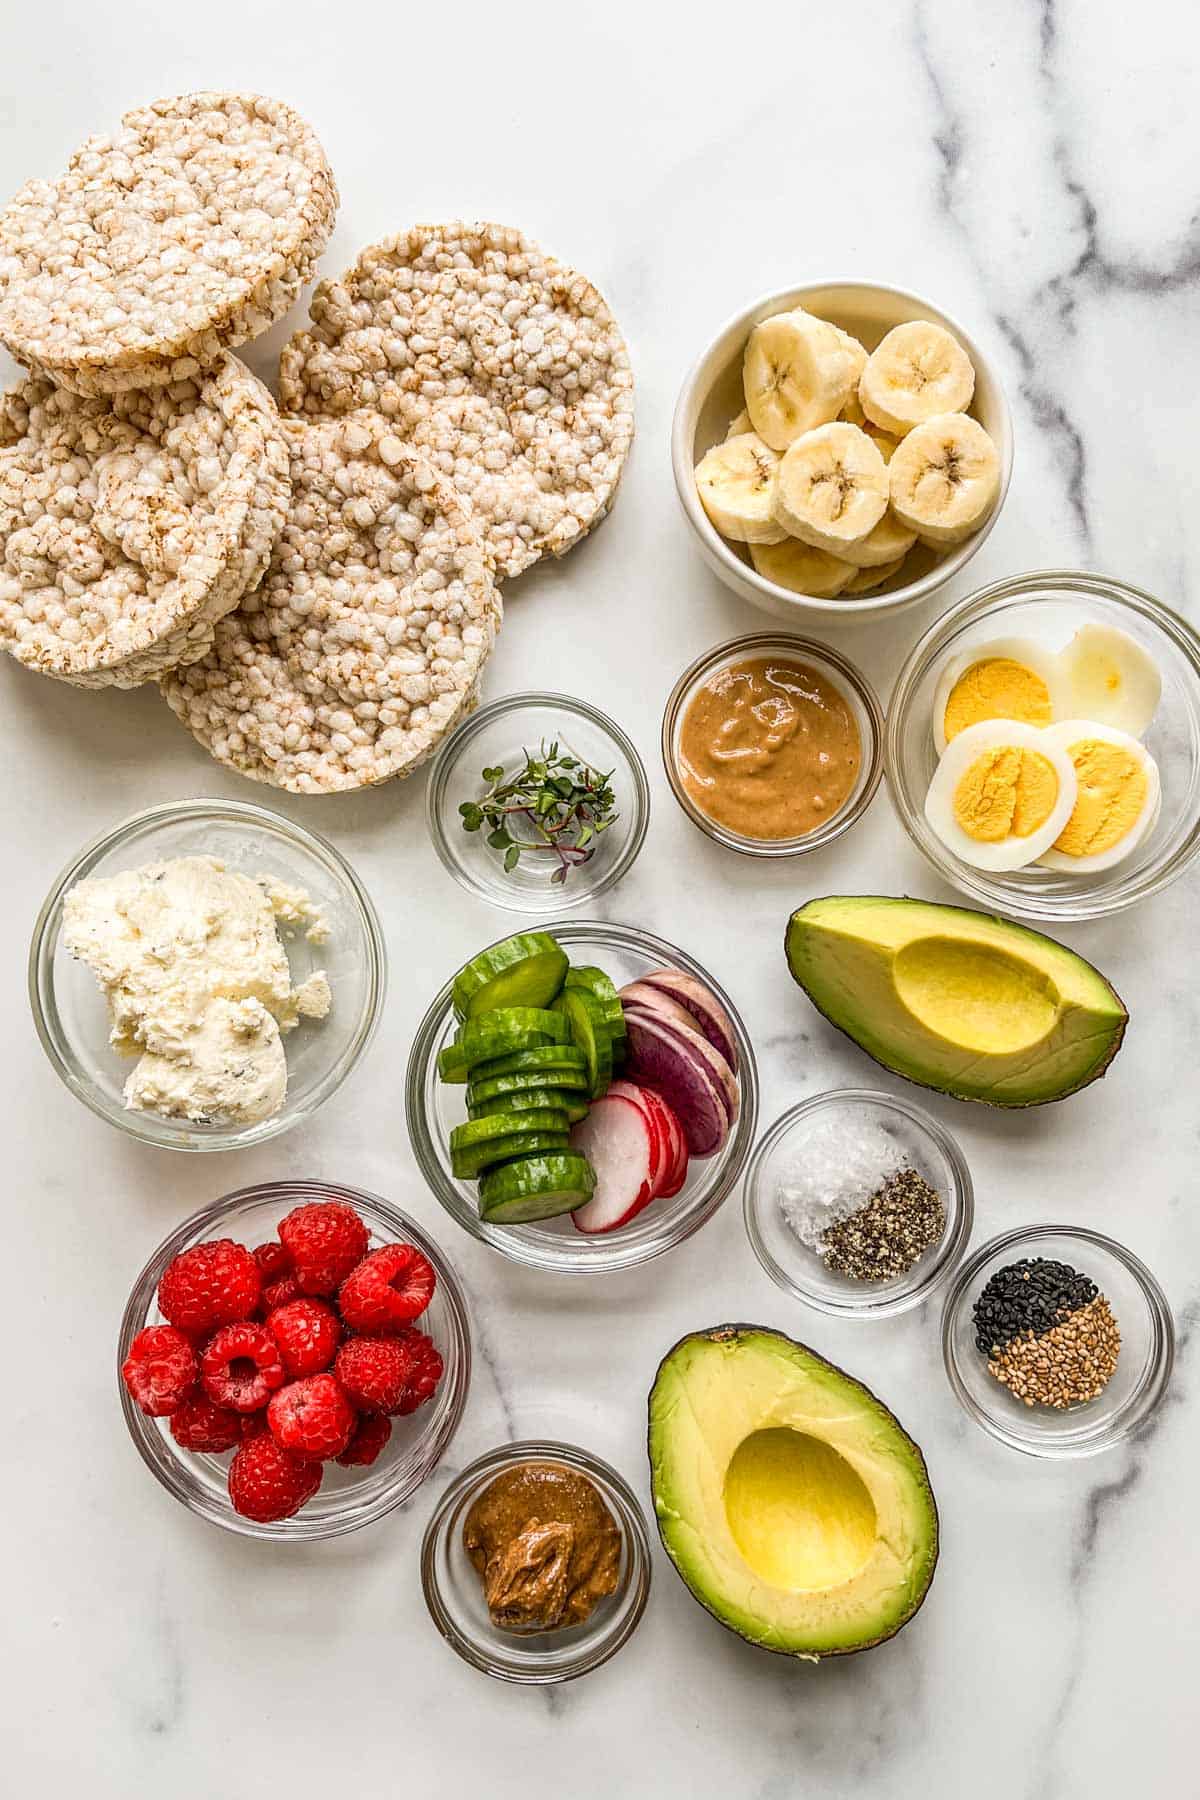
<point x="538" y="802"/>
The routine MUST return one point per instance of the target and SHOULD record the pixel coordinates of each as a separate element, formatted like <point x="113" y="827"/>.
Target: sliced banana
<point x="740" y="426"/>
<point x="796" y="374"/>
<point x="944" y="479"/>
<point x="916" y="373"/>
<point x="736" y="482"/>
<point x="802" y="569"/>
<point x="865" y="581"/>
<point x="889" y="542"/>
<point x="884" y="442"/>
<point x="832" y="488"/>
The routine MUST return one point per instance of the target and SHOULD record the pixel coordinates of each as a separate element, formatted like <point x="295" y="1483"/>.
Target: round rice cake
<point x="130" y="525"/>
<point x="365" y="642"/>
<point x="189" y="230"/>
<point x="507" y="370"/>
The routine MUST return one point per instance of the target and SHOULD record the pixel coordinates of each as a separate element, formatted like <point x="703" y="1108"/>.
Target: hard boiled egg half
<point x="1006" y="678"/>
<point x="1110" y="677"/>
<point x="1118" y="797"/>
<point x="1002" y="794"/>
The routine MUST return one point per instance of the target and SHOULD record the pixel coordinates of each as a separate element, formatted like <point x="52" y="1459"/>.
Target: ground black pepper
<point x="883" y="1239"/>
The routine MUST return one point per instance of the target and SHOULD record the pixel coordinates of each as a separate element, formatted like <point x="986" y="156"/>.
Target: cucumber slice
<point x="570" y="1083"/>
<point x="535" y="1187"/>
<point x="523" y="1100"/>
<point x="581" y="1008"/>
<point x="498" y="1125"/>
<point x="525" y="970"/>
<point x="467" y="1165"/>
<point x="498" y="1034"/>
<point x="543" y="1059"/>
<point x="603" y="990"/>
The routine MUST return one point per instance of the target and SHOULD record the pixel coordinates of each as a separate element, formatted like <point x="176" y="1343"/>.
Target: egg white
<point x="1045" y="663"/>
<point x="1069" y="732"/>
<point x="1098" y="654"/>
<point x="996" y="734"/>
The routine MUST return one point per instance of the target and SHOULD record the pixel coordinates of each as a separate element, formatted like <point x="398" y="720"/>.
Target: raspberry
<point x="160" y="1370"/>
<point x="425" y="1373"/>
<point x="389" y="1288"/>
<point x="324" y="1240"/>
<point x="311" y="1417"/>
<point x="210" y="1285"/>
<point x="267" y="1483"/>
<point x="308" y="1334"/>
<point x="369" y="1436"/>
<point x="273" y="1261"/>
<point x="241" y="1367"/>
<point x="277" y="1294"/>
<point x="374" y="1372"/>
<point x="202" y="1426"/>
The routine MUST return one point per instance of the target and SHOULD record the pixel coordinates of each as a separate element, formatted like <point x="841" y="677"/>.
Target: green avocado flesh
<point x="789" y="1499"/>
<point x="956" y="1000"/>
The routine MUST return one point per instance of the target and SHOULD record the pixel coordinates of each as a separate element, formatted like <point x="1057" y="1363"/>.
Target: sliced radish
<point x="663" y="1149"/>
<point x="617" y="1139"/>
<point x="662" y="1058"/>
<point x="704" y="1007"/>
<point x="668" y="1174"/>
<point x="698" y="1047"/>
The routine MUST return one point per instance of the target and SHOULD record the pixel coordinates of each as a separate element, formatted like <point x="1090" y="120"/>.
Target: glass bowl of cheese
<point x="205" y="974"/>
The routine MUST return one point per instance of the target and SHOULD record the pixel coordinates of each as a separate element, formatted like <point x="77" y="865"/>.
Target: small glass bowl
<point x="1143" y="1366"/>
<point x="70" y="1013"/>
<point x="347" y="1498"/>
<point x="797" y="1269"/>
<point x="841" y="674"/>
<point x="1050" y="606"/>
<point x="454" y="1593"/>
<point x="434" y="1107"/>
<point x="498" y="736"/>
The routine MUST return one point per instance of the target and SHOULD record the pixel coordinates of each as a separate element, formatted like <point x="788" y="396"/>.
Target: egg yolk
<point x="996" y="688"/>
<point x="1005" y="792"/>
<point x="1112" y="793"/>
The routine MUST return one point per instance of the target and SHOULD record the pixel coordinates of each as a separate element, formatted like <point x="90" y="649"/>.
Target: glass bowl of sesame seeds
<point x="1057" y="1340"/>
<point x="858" y="1203"/>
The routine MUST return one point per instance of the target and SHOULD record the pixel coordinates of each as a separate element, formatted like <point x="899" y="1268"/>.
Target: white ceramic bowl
<point x="712" y="396"/>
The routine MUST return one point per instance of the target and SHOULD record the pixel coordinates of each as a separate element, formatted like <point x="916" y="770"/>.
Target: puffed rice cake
<point x="130" y="525"/>
<point x="503" y="367"/>
<point x="186" y="232"/>
<point x="364" y="644"/>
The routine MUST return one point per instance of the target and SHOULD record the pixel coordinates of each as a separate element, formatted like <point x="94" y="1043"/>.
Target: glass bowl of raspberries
<point x="294" y="1360"/>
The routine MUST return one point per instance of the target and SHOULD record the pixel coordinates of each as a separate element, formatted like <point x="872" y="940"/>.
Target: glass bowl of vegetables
<point x="538" y="803"/>
<point x="582" y="1097"/>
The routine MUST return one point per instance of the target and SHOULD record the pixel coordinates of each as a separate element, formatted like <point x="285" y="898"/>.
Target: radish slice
<point x="677" y="1174"/>
<point x="698" y="1048"/>
<point x="704" y="1007"/>
<point x="681" y="1069"/>
<point x="662" y="1146"/>
<point x="616" y="1139"/>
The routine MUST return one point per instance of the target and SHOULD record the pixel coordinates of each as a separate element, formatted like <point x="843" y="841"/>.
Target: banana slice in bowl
<point x="804" y="570"/>
<point x="919" y="371"/>
<point x="797" y="374"/>
<point x="736" y="482"/>
<point x="832" y="489"/>
<point x="945" y="479"/>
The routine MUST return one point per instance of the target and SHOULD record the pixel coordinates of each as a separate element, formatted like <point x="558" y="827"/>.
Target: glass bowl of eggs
<point x="1043" y="746"/>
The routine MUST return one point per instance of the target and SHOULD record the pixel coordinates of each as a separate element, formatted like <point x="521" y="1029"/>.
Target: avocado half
<point x="795" y="1507"/>
<point x="972" y="1005"/>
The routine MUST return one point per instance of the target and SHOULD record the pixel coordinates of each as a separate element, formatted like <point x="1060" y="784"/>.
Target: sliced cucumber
<point x="467" y="1165"/>
<point x="498" y="1034"/>
<point x="525" y="970"/>
<point x="525" y="1101"/>
<point x="544" y="1059"/>
<point x="583" y="1011"/>
<point x="603" y="990"/>
<point x="535" y="1187"/>
<point x="497" y="1125"/>
<point x="572" y="1082"/>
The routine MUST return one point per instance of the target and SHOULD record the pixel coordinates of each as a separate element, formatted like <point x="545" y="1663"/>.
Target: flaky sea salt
<point x="836" y="1168"/>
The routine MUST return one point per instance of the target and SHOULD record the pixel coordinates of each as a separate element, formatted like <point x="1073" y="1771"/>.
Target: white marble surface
<point x="1031" y="168"/>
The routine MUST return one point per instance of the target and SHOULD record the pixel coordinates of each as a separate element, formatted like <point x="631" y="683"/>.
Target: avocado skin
<point x="731" y="1334"/>
<point x="1096" y="1073"/>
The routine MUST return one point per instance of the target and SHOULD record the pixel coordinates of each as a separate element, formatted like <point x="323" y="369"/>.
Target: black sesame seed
<point x="1032" y="1295"/>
